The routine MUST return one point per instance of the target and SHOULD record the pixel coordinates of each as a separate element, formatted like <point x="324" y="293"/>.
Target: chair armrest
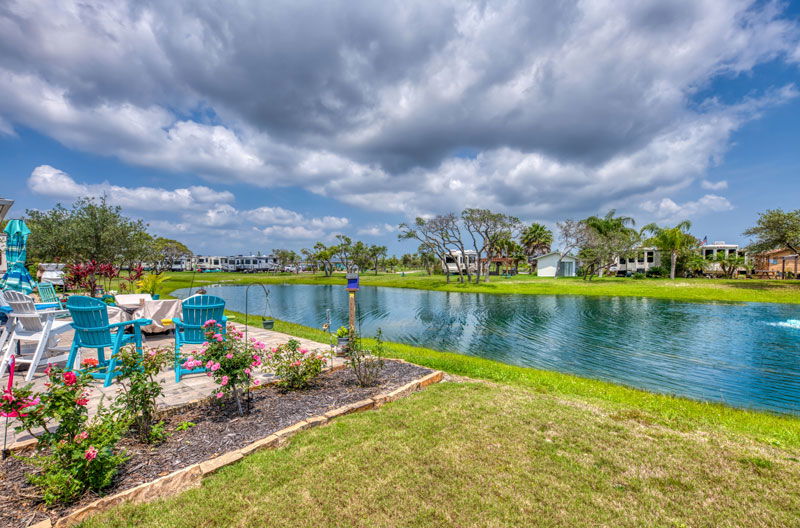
<point x="25" y="316"/>
<point x="53" y="312"/>
<point x="178" y="322"/>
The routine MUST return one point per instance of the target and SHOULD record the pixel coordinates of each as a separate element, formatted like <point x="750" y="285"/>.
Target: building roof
<point x="773" y="251"/>
<point x="555" y="253"/>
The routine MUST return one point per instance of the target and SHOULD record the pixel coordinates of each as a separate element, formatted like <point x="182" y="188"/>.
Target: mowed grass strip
<point x="485" y="454"/>
<point x="693" y="290"/>
<point x="675" y="412"/>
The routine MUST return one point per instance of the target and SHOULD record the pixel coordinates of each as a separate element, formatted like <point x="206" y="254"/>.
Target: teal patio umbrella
<point x="17" y="277"/>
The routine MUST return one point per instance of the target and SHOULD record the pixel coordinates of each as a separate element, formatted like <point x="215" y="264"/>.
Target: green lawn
<point x="484" y="454"/>
<point x="740" y="290"/>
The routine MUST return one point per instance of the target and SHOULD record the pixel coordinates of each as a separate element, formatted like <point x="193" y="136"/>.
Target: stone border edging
<point x="191" y="476"/>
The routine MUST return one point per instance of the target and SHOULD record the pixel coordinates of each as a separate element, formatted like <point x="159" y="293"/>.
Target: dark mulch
<point x="217" y="431"/>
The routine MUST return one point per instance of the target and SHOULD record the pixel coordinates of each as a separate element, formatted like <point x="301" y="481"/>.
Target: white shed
<point x="549" y="265"/>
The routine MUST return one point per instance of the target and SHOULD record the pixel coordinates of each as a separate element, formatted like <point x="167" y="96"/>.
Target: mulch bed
<point x="218" y="430"/>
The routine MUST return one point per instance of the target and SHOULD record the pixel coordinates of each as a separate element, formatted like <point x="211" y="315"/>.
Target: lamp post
<point x="352" y="288"/>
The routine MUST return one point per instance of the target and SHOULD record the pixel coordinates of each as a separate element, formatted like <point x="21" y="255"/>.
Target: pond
<point x="745" y="355"/>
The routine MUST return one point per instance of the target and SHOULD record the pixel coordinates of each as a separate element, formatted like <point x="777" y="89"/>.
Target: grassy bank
<point x="679" y="413"/>
<point x="496" y="454"/>
<point x="697" y="290"/>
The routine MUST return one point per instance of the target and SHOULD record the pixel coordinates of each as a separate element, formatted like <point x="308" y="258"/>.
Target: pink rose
<point x="247" y="371"/>
<point x="81" y="436"/>
<point x="256" y="382"/>
<point x="220" y="395"/>
<point x="210" y="322"/>
<point x="215" y="367"/>
<point x="70" y="378"/>
<point x="229" y="356"/>
<point x="224" y="381"/>
<point x="91" y="453"/>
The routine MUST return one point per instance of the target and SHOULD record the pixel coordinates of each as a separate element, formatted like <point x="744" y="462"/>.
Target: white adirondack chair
<point x="26" y="324"/>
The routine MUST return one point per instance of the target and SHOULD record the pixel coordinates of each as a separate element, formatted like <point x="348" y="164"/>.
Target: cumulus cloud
<point x="540" y="108"/>
<point x="49" y="181"/>
<point x="714" y="186"/>
<point x="667" y="210"/>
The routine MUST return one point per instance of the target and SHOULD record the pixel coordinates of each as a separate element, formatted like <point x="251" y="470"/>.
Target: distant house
<point x="645" y="258"/>
<point x="549" y="266"/>
<point x="778" y="263"/>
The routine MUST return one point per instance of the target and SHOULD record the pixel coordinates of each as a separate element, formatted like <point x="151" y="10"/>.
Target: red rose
<point x="70" y="378"/>
<point x="82" y="401"/>
<point x="90" y="362"/>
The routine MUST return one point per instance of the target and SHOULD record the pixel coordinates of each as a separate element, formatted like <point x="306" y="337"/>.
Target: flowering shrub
<point x="229" y="360"/>
<point x="294" y="366"/>
<point x="77" y="454"/>
<point x="139" y="389"/>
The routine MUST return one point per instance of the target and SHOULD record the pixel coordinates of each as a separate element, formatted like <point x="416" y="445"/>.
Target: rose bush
<point x="229" y="360"/>
<point x="296" y="367"/>
<point x="73" y="453"/>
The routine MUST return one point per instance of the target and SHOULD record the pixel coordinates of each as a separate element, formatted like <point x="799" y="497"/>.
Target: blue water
<point x="746" y="355"/>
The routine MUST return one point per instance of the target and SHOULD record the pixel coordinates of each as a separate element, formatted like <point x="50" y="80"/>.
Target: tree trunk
<point x="673" y="262"/>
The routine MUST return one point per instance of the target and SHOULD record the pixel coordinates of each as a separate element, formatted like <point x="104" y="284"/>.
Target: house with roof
<point x="556" y="264"/>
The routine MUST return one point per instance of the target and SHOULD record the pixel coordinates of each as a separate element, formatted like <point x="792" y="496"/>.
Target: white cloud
<point x="377" y="230"/>
<point x="293" y="233"/>
<point x="49" y="181"/>
<point x="667" y="209"/>
<point x="714" y="186"/>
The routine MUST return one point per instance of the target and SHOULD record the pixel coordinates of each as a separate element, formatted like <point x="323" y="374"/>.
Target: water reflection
<point x="745" y="355"/>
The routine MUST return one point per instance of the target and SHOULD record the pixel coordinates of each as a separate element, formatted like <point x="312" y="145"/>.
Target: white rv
<point x="457" y="262"/>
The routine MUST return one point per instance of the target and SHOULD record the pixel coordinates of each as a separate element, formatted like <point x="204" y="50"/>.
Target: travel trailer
<point x="456" y="262"/>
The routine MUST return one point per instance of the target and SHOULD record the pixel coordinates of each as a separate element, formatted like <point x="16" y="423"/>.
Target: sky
<point x="246" y="126"/>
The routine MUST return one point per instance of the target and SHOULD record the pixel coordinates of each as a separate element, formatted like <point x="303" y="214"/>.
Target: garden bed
<point x="216" y="430"/>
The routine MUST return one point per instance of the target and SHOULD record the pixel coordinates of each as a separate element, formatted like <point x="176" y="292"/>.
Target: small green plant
<point x="343" y="332"/>
<point x="185" y="426"/>
<point x="295" y="367"/>
<point x="150" y="283"/>
<point x="366" y="364"/>
<point x="638" y="276"/>
<point x="139" y="389"/>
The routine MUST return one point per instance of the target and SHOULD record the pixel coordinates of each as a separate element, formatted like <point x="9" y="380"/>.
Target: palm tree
<point x="610" y="224"/>
<point x="673" y="240"/>
<point x="536" y="239"/>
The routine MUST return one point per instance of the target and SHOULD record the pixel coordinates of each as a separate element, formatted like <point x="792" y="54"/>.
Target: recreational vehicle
<point x="456" y="262"/>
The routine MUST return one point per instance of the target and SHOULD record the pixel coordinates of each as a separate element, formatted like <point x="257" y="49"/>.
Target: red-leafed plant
<point x="87" y="275"/>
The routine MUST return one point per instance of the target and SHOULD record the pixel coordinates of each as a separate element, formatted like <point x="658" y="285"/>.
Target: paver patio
<point x="192" y="387"/>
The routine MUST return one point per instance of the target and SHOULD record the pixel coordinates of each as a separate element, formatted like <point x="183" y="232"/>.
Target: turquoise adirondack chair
<point x="189" y="329"/>
<point x="48" y="295"/>
<point x="92" y="330"/>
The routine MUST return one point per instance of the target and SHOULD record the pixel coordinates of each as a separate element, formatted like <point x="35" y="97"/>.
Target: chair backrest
<point x="47" y="292"/>
<point x="196" y="311"/>
<point x="90" y="321"/>
<point x="23" y="304"/>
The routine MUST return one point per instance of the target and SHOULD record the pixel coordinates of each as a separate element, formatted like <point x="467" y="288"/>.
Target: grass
<point x="695" y="290"/>
<point x="480" y="454"/>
